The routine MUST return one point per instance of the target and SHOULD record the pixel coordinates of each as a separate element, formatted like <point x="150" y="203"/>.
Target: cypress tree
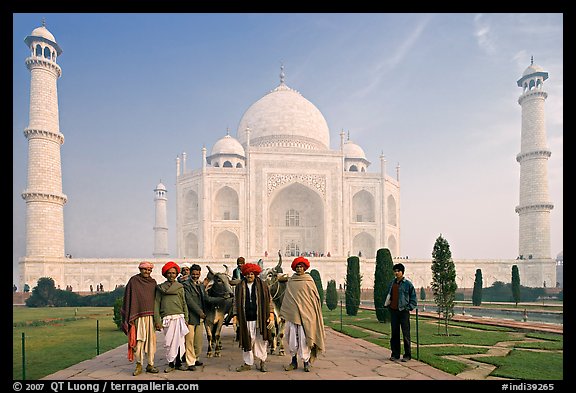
<point x="515" y="284"/>
<point x="353" y="280"/>
<point x="383" y="275"/>
<point x="477" y="291"/>
<point x="422" y="293"/>
<point x="331" y="295"/>
<point x="318" y="281"/>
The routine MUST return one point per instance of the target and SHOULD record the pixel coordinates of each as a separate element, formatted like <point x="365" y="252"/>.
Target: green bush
<point x="318" y="281"/>
<point x="117" y="312"/>
<point x="353" y="280"/>
<point x="331" y="295"/>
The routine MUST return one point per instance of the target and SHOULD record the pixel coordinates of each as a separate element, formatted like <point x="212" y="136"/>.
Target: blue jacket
<point x="407" y="294"/>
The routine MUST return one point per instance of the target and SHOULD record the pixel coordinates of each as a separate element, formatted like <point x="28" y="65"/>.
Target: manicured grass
<point x="465" y="338"/>
<point x="59" y="337"/>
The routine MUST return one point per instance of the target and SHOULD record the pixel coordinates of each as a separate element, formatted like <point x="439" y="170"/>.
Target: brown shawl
<point x="138" y="300"/>
<point x="301" y="305"/>
<point x="263" y="310"/>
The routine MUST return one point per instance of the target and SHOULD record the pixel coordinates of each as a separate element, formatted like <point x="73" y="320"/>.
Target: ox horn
<point x="227" y="271"/>
<point x="211" y="272"/>
<point x="279" y="265"/>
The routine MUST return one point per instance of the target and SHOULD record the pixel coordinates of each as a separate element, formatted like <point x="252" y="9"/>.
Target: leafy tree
<point x="477" y="291"/>
<point x="318" y="281"/>
<point x="43" y="294"/>
<point x="331" y="295"/>
<point x="443" y="280"/>
<point x="422" y="293"/>
<point x="383" y="274"/>
<point x="353" y="280"/>
<point x="515" y="284"/>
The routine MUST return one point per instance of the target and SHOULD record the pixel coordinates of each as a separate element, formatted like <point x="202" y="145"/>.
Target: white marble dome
<point x="284" y="118"/>
<point x="532" y="69"/>
<point x="161" y="186"/>
<point x="228" y="145"/>
<point x="352" y="150"/>
<point x="43" y="32"/>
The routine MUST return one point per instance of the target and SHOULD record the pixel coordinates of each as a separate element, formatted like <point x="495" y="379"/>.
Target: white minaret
<point x="534" y="207"/>
<point x="161" y="223"/>
<point x="43" y="194"/>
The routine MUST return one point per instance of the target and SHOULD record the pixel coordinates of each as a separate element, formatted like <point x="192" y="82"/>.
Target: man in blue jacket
<point x="401" y="300"/>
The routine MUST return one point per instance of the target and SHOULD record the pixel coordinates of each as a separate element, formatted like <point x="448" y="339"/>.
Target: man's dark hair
<point x="240" y="260"/>
<point x="195" y="267"/>
<point x="398" y="266"/>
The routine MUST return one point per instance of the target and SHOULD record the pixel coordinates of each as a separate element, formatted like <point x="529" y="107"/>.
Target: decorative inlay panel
<point x="276" y="180"/>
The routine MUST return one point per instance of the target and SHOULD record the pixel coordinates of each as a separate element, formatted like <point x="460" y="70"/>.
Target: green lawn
<point x="524" y="362"/>
<point x="59" y="337"/>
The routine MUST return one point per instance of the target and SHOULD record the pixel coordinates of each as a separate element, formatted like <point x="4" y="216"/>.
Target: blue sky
<point x="435" y="93"/>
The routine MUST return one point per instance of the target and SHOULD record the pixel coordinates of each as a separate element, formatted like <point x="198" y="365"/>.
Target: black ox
<point x="219" y="304"/>
<point x="276" y="280"/>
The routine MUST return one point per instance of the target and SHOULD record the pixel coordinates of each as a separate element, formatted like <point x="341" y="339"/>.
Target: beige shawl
<point x="301" y="305"/>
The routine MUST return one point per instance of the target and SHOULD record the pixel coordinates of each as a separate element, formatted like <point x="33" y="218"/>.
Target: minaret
<point x="43" y="194"/>
<point x="161" y="223"/>
<point x="534" y="207"/>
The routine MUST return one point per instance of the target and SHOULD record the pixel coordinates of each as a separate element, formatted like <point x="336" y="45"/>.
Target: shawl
<point x="138" y="300"/>
<point x="263" y="310"/>
<point x="301" y="305"/>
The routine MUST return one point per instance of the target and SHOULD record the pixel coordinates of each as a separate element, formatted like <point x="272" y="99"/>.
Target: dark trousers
<point x="400" y="319"/>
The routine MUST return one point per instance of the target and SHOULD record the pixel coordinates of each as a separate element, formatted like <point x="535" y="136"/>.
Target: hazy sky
<point x="435" y="93"/>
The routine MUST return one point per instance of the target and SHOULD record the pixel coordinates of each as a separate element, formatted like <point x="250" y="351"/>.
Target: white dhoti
<point x="175" y="331"/>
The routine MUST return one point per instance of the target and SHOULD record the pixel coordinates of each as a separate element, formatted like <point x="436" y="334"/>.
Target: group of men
<point x="178" y="308"/>
<point x="175" y="307"/>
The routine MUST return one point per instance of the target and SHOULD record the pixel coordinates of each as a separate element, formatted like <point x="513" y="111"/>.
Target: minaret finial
<point x="531" y="60"/>
<point x="43" y="22"/>
<point x="282" y="74"/>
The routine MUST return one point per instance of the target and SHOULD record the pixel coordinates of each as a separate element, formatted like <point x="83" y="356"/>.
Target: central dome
<point x="283" y="118"/>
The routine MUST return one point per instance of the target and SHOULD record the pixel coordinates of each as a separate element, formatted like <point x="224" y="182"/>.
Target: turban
<point x="185" y="264"/>
<point x="168" y="266"/>
<point x="250" y="268"/>
<point x="302" y="260"/>
<point x="146" y="265"/>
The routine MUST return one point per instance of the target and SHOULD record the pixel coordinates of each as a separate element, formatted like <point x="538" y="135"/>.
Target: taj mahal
<point x="275" y="186"/>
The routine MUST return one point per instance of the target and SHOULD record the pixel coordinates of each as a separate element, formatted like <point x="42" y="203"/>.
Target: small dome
<point x="43" y="32"/>
<point x="161" y="186"/>
<point x="228" y="145"/>
<point x="532" y="69"/>
<point x="352" y="150"/>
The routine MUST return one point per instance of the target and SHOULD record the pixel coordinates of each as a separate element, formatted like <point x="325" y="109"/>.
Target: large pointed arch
<point x="364" y="242"/>
<point x="226" y="205"/>
<point x="226" y="245"/>
<point x="191" y="206"/>
<point x="363" y="207"/>
<point x="296" y="220"/>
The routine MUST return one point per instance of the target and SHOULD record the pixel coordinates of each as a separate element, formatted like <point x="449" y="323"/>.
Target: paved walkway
<point x="346" y="358"/>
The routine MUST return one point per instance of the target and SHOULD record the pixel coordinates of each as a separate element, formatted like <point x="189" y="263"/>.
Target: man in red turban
<point x="253" y="313"/>
<point x="302" y="311"/>
<point x="138" y="318"/>
<point x="171" y="314"/>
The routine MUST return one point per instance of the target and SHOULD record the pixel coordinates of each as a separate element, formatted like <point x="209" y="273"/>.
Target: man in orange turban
<point x="302" y="311"/>
<point x="253" y="313"/>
